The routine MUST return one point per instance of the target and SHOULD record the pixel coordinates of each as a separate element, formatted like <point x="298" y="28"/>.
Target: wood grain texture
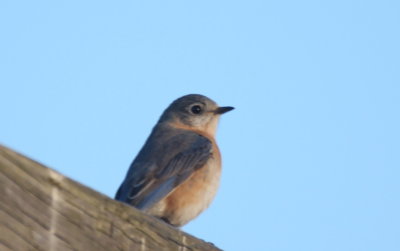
<point x="41" y="209"/>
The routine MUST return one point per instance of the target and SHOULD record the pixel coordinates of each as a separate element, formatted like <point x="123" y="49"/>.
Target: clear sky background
<point x="312" y="152"/>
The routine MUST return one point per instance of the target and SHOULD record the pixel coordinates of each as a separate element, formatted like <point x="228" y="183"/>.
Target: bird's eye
<point x="196" y="109"/>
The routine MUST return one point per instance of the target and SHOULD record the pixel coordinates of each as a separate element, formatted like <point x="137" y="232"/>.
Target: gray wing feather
<point x="159" y="168"/>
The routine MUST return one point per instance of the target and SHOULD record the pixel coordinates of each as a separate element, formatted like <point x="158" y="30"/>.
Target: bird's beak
<point x="223" y="109"/>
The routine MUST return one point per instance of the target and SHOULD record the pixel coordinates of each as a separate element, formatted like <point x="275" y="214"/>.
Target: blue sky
<point x="311" y="153"/>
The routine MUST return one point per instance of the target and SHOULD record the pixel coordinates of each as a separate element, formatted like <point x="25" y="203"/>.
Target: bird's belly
<point x="192" y="197"/>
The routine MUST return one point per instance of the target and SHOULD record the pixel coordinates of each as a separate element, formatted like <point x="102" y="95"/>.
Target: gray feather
<point x="167" y="159"/>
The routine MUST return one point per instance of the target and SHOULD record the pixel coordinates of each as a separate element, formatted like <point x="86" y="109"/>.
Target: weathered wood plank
<point x="41" y="209"/>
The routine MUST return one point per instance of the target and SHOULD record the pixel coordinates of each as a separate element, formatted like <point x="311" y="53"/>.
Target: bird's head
<point x="196" y="112"/>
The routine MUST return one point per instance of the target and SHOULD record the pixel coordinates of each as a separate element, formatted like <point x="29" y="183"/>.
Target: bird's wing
<point x="150" y="180"/>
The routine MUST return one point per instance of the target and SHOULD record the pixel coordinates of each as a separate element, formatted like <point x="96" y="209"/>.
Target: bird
<point x="176" y="174"/>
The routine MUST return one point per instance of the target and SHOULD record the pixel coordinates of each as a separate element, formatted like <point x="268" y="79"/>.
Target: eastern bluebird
<point x="176" y="174"/>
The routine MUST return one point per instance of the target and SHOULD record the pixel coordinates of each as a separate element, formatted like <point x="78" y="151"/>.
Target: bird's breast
<point x="193" y="196"/>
